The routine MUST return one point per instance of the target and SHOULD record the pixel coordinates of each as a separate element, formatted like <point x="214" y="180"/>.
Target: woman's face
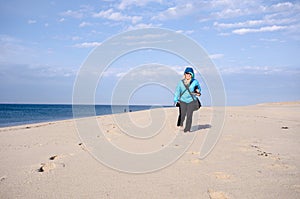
<point x="187" y="76"/>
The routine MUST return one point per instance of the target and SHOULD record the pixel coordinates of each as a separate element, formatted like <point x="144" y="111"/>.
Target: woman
<point x="183" y="98"/>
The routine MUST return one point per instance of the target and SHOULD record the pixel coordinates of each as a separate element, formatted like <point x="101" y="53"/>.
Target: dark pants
<point x="179" y="117"/>
<point x="185" y="110"/>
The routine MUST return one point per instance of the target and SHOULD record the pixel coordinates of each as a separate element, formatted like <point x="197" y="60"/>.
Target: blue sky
<point x="254" y="44"/>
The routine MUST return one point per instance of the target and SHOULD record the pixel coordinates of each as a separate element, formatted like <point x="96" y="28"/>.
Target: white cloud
<point x="30" y="21"/>
<point x="141" y="25"/>
<point x="87" y="45"/>
<point x="187" y="32"/>
<point x="267" y="20"/>
<point x="218" y="9"/>
<point x="229" y="13"/>
<point x="238" y="24"/>
<point x="75" y="38"/>
<point x="216" y="56"/>
<point x="150" y="72"/>
<point x="117" y="16"/>
<point x="245" y="69"/>
<point x="263" y="13"/>
<point x="282" y="6"/>
<point x="35" y="71"/>
<point x="147" y="38"/>
<point x="224" y="34"/>
<point x="84" y="24"/>
<point x="258" y="70"/>
<point x="61" y="20"/>
<point x="74" y="14"/>
<point x="114" y="72"/>
<point x="7" y="38"/>
<point x="243" y="31"/>
<point x="272" y="40"/>
<point x="223" y="9"/>
<point x="128" y="3"/>
<point x="176" y="12"/>
<point x="11" y="47"/>
<point x="85" y="10"/>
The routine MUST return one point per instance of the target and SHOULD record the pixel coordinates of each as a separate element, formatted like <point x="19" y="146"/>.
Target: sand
<point x="257" y="156"/>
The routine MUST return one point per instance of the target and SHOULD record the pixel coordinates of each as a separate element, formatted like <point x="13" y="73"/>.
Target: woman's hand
<point x="197" y="92"/>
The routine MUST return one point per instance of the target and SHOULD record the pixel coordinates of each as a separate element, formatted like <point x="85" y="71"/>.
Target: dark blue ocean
<point x="20" y="114"/>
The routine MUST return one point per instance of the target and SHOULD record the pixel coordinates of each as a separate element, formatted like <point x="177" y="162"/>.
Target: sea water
<point x="20" y="114"/>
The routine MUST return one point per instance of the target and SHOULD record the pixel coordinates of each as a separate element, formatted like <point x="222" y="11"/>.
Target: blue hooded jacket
<point x="186" y="97"/>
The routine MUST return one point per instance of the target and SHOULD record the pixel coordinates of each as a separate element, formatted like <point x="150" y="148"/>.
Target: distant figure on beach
<point x="186" y="92"/>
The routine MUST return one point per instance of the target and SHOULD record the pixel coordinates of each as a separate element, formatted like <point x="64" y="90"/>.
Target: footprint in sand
<point x="82" y="146"/>
<point x="176" y="146"/>
<point x="228" y="137"/>
<point x="296" y="187"/>
<point x="46" y="167"/>
<point x="55" y="157"/>
<point x="277" y="160"/>
<point x="277" y="164"/>
<point x="261" y="152"/>
<point x="280" y="166"/>
<point x="193" y="152"/>
<point x="244" y="146"/>
<point x="217" y="194"/>
<point x="195" y="161"/>
<point x="221" y="175"/>
<point x="3" y="178"/>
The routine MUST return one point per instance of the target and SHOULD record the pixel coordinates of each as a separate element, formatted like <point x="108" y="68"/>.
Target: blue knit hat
<point x="190" y="71"/>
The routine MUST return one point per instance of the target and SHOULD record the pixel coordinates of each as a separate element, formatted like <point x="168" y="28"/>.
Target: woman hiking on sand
<point x="183" y="98"/>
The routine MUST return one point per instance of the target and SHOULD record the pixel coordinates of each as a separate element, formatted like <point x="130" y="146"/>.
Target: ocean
<point x="20" y="114"/>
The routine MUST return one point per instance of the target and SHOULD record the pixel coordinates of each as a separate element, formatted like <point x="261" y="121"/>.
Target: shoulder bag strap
<point x="188" y="89"/>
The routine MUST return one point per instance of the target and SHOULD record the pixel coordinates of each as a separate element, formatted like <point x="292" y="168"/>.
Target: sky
<point x="254" y="45"/>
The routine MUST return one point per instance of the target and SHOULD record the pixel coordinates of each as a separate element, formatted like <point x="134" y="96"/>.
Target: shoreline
<point x="43" y="117"/>
<point x="48" y="122"/>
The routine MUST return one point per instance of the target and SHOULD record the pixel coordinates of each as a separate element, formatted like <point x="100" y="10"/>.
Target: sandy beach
<point x="257" y="156"/>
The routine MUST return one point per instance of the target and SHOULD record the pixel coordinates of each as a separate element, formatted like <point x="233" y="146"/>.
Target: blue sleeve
<point x="197" y="85"/>
<point x="177" y="93"/>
